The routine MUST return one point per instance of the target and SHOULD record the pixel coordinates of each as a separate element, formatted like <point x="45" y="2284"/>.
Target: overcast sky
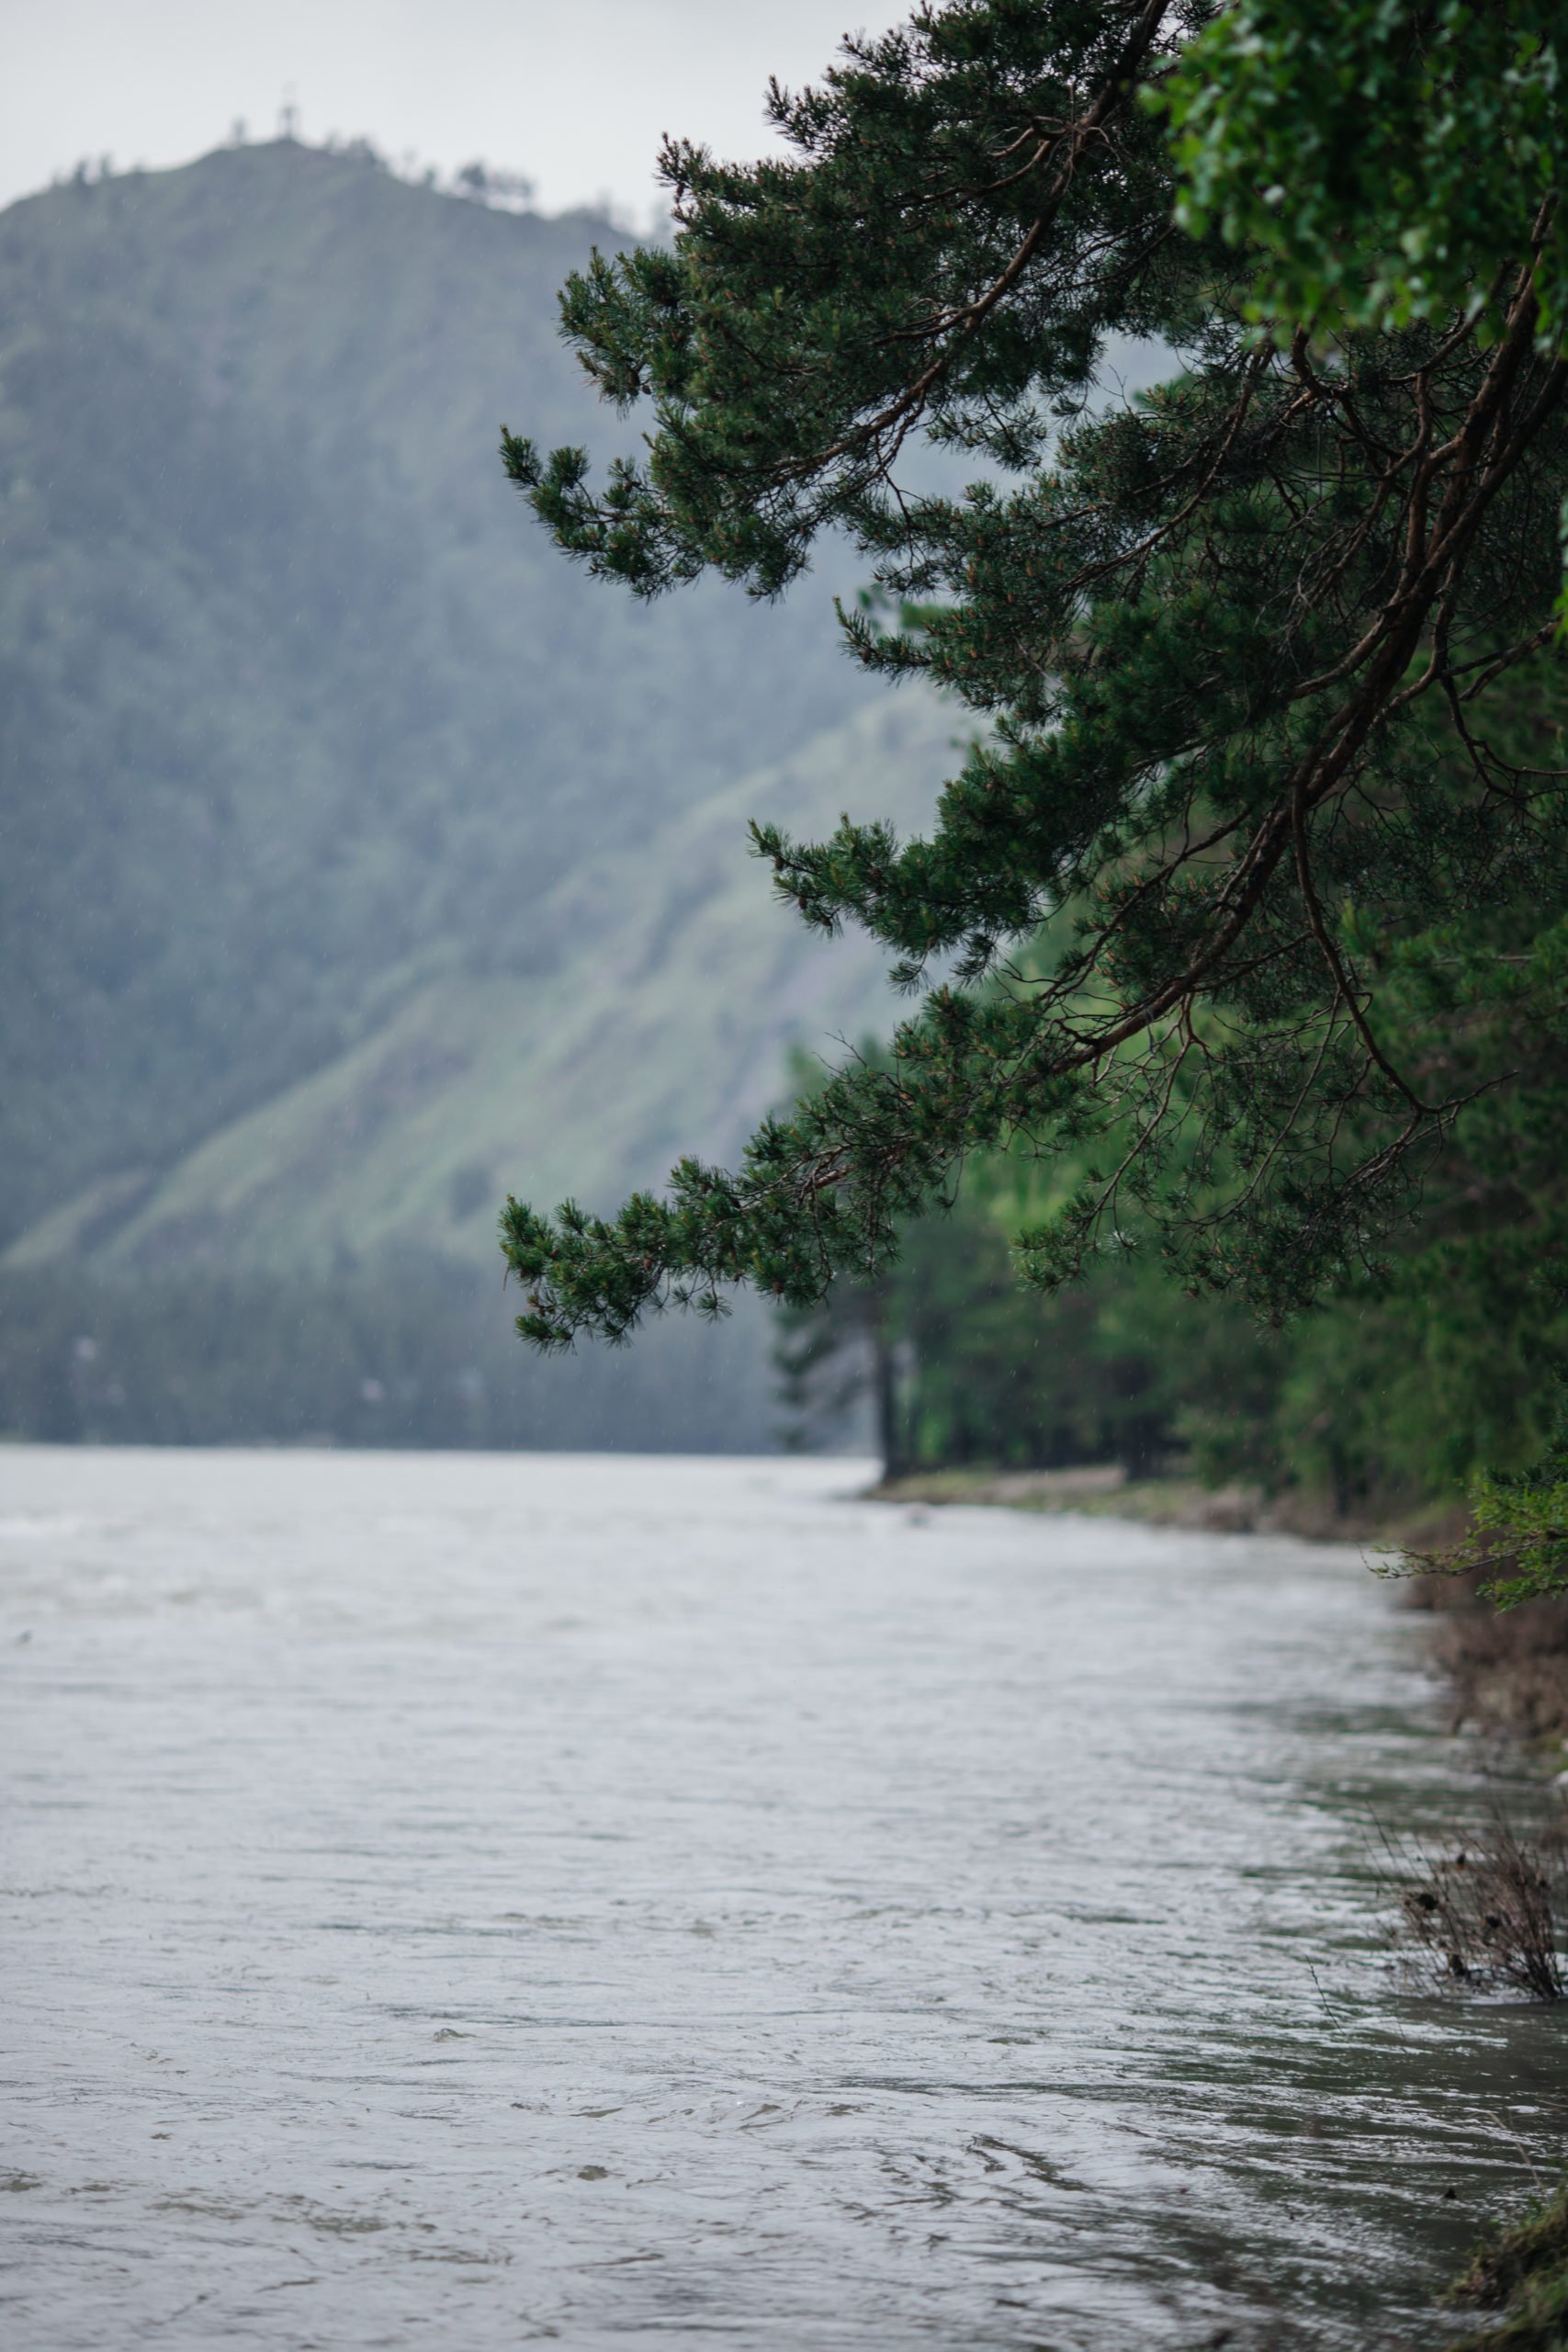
<point x="574" y="93"/>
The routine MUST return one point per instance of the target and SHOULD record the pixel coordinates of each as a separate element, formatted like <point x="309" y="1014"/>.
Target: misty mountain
<point x="360" y="860"/>
<point x="359" y="851"/>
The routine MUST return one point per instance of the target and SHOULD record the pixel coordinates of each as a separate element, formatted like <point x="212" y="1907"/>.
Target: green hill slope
<point x="297" y="706"/>
<point x="359" y="860"/>
<point x="662" y="1025"/>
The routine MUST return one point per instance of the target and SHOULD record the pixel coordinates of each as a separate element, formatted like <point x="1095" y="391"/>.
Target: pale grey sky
<point x="574" y="93"/>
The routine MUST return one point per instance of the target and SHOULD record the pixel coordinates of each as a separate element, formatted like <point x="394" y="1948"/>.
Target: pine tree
<point x="1253" y="883"/>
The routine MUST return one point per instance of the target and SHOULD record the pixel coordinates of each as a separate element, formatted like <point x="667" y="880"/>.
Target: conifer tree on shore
<point x="1252" y="890"/>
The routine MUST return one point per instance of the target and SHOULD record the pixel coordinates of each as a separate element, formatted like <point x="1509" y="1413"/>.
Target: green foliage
<point x="1252" y="883"/>
<point x="1516" y="1539"/>
<point x="964" y="1366"/>
<point x="1521" y="2277"/>
<point x="816" y="309"/>
<point x="1439" y="1379"/>
<point x="968" y="1367"/>
<point x="1387" y="164"/>
<point x="1529" y="1514"/>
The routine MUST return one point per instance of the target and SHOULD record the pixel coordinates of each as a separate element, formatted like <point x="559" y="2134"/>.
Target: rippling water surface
<point x="464" y="1901"/>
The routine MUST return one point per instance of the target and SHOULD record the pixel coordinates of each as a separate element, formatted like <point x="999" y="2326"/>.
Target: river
<point x="469" y="1900"/>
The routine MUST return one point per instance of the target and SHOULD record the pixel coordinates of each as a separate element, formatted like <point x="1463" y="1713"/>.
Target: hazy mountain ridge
<point x="362" y="860"/>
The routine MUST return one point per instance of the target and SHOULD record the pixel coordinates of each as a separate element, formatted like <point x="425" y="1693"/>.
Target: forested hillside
<point x="361" y="861"/>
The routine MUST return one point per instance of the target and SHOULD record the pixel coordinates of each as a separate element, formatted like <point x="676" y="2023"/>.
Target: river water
<point x="463" y="1901"/>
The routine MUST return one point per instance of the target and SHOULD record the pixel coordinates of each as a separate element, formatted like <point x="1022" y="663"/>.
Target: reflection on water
<point x="462" y="1901"/>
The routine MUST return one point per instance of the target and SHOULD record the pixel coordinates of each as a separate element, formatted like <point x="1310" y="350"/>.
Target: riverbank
<point x="1104" y="1490"/>
<point x="1508" y="1674"/>
<point x="1507" y="1669"/>
<point x="1520" y="2276"/>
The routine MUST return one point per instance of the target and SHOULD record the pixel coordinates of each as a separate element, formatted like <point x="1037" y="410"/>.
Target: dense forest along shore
<point x="497" y="1898"/>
